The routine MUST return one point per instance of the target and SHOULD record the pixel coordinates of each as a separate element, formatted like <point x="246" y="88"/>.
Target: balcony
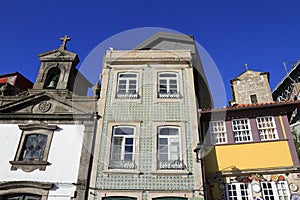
<point x="168" y="95"/>
<point x="127" y="95"/>
<point x="171" y="165"/>
<point x="122" y="164"/>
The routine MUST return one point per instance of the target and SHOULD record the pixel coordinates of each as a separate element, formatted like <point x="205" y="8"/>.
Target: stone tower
<point x="251" y="87"/>
<point x="58" y="73"/>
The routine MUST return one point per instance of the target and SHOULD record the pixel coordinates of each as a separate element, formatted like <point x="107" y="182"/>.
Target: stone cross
<point x="64" y="42"/>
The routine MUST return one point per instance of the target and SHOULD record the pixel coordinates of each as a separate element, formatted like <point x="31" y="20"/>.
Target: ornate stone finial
<point x="64" y="42"/>
<point x="246" y="65"/>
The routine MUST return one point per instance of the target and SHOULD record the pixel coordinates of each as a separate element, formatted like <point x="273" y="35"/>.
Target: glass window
<point x="241" y="130"/>
<point x="33" y="148"/>
<point x="238" y="191"/>
<point x="218" y="132"/>
<point x="282" y="190"/>
<point x="168" y="86"/>
<point x="127" y="85"/>
<point x="122" y="148"/>
<point x="275" y="190"/>
<point x="266" y="128"/>
<point x="169" y="148"/>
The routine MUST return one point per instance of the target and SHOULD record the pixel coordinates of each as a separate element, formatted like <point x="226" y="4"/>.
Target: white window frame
<point x="241" y="130"/>
<point x="266" y="128"/>
<point x="155" y="168"/>
<point x="277" y="188"/>
<point x="218" y="133"/>
<point x="237" y="188"/>
<point x="126" y="163"/>
<point x="127" y="80"/>
<point x="177" y="163"/>
<point x="168" y="80"/>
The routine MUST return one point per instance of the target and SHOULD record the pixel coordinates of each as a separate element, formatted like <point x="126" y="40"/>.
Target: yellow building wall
<point x="269" y="154"/>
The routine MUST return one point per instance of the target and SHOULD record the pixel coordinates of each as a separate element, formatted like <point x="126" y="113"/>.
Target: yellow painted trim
<point x="282" y="126"/>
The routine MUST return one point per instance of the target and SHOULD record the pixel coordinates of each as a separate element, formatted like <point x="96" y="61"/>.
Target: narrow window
<point x="266" y="128"/>
<point x="218" y="132"/>
<point x="241" y="130"/>
<point x="168" y="85"/>
<point x="52" y="78"/>
<point x="123" y="147"/>
<point x="33" y="148"/>
<point x="169" y="148"/>
<point x="127" y="85"/>
<point x="253" y="98"/>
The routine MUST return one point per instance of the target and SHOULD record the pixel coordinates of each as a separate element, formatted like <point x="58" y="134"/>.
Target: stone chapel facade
<point x="47" y="133"/>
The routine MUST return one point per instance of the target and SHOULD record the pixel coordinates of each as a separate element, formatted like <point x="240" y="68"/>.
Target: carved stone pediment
<point x="59" y="55"/>
<point x="44" y="103"/>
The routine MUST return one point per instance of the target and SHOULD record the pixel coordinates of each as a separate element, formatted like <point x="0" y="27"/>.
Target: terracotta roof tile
<point x="248" y="105"/>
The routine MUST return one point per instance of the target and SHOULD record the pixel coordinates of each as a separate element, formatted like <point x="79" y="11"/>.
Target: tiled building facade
<point x="149" y="127"/>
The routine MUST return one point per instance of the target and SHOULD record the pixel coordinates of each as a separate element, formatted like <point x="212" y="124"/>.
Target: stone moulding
<point x="21" y="184"/>
<point x="28" y="166"/>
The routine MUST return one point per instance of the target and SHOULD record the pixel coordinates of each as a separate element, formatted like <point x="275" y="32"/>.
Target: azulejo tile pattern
<point x="147" y="111"/>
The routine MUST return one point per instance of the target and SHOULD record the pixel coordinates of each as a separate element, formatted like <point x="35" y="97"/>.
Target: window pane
<point x="117" y="148"/>
<point x="124" y="131"/>
<point x="163" y="157"/>
<point x="34" y="147"/>
<point x="167" y="75"/>
<point x="128" y="149"/>
<point x="168" y="131"/>
<point x="128" y="157"/>
<point x="128" y="75"/>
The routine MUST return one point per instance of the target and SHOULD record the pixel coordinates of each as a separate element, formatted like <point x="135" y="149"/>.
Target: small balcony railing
<point x="122" y="164"/>
<point x="171" y="164"/>
<point x="127" y="95"/>
<point x="168" y="95"/>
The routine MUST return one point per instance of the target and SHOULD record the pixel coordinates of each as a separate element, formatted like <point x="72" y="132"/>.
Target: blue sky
<point x="263" y="34"/>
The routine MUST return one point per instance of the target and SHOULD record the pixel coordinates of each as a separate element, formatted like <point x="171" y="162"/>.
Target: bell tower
<point x="58" y="72"/>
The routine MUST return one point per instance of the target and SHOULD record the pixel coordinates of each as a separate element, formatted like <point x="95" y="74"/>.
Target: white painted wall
<point x="64" y="156"/>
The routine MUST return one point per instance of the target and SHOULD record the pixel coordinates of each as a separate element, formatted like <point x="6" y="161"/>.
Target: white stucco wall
<point x="64" y="158"/>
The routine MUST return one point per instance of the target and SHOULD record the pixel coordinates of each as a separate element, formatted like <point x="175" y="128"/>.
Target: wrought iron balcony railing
<point x="122" y="164"/>
<point x="168" y="95"/>
<point x="171" y="164"/>
<point x="127" y="95"/>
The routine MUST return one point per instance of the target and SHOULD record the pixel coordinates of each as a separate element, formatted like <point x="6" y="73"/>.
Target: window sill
<point x="170" y="172"/>
<point x="123" y="100"/>
<point x="122" y="171"/>
<point x="28" y="166"/>
<point x="167" y="100"/>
